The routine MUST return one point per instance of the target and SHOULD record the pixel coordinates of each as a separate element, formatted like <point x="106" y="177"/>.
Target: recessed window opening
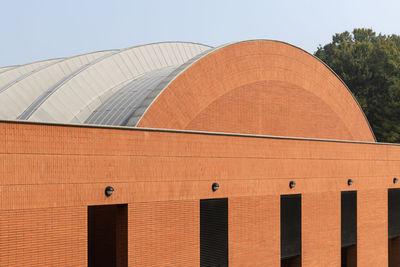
<point x="214" y="232"/>
<point x="108" y="236"/>
<point x="394" y="227"/>
<point x="291" y="230"/>
<point x="349" y="228"/>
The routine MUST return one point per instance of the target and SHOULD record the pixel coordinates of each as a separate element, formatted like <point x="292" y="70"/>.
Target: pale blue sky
<point x="34" y="30"/>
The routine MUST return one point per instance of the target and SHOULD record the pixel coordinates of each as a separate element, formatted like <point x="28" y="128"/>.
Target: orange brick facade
<point x="50" y="174"/>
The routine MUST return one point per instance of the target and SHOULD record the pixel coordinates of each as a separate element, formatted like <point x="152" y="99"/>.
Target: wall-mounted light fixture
<point x="395" y="180"/>
<point x="292" y="184"/>
<point x="215" y="187"/>
<point x="109" y="191"/>
<point x="350" y="182"/>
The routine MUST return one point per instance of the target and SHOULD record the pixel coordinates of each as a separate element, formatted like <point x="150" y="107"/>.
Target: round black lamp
<point x="109" y="191"/>
<point x="292" y="184"/>
<point x="215" y="187"/>
<point x="395" y="180"/>
<point x="350" y="182"/>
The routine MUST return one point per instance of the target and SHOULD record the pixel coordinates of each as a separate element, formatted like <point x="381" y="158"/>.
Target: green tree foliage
<point x="370" y="66"/>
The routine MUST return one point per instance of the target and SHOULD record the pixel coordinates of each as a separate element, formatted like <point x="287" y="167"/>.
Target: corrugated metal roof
<point x="104" y="87"/>
<point x="119" y="108"/>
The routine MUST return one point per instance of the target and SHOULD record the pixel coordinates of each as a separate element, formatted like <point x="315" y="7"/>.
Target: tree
<point x="370" y="66"/>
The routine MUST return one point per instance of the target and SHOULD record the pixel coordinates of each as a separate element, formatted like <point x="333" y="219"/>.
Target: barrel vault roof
<point x="257" y="87"/>
<point x="101" y="87"/>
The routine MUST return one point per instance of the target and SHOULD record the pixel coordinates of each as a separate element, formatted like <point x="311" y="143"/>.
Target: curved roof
<point x="70" y="89"/>
<point x="257" y="87"/>
<point x="84" y="90"/>
<point x="3" y="69"/>
<point x="12" y="74"/>
<point x="19" y="102"/>
<point x="120" y="106"/>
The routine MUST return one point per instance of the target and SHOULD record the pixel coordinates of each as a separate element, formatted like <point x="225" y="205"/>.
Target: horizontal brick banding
<point x="43" y="237"/>
<point x="321" y="229"/>
<point x="254" y="226"/>
<point x="75" y="169"/>
<point x="164" y="234"/>
<point x="162" y="176"/>
<point x="49" y="174"/>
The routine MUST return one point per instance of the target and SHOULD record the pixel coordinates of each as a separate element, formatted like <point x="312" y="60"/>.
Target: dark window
<point x="394" y="227"/>
<point x="349" y="228"/>
<point x="291" y="230"/>
<point x="394" y="212"/>
<point x="107" y="236"/>
<point x="214" y="232"/>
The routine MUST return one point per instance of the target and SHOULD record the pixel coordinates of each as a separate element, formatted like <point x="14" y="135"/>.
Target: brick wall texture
<point x="43" y="237"/>
<point x="50" y="174"/>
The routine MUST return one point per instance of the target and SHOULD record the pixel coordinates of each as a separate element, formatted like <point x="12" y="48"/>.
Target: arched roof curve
<point x="259" y="87"/>
<point x="129" y="102"/>
<point x="17" y="102"/>
<point x="3" y="69"/>
<point x="85" y="89"/>
<point x="13" y="74"/>
<point x="253" y="87"/>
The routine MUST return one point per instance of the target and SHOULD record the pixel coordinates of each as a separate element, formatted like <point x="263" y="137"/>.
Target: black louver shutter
<point x="214" y="232"/>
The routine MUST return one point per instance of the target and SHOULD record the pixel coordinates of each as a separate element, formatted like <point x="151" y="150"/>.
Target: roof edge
<point x="128" y="128"/>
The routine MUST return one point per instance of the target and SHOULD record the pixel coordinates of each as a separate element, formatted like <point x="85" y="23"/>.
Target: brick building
<point x="179" y="154"/>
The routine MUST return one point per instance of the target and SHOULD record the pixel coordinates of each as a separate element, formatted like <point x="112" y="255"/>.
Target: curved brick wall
<point x="52" y="177"/>
<point x="260" y="87"/>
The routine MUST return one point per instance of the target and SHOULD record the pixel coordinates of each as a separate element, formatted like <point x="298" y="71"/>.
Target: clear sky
<point x="34" y="30"/>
